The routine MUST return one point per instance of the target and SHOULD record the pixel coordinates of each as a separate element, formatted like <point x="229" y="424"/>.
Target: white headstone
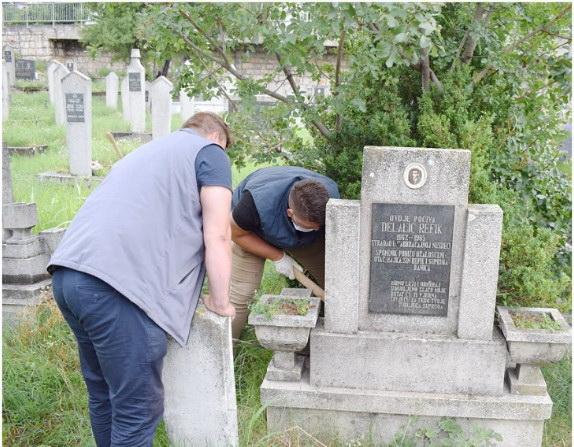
<point x="160" y="96"/>
<point x="136" y="88"/>
<point x="77" y="91"/>
<point x="59" y="73"/>
<point x="51" y="86"/>
<point x="5" y="92"/>
<point x="112" y="85"/>
<point x="186" y="105"/>
<point x="199" y="383"/>
<point x="125" y="99"/>
<point x="10" y="61"/>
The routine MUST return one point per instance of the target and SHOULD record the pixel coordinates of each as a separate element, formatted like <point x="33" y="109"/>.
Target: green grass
<point x="44" y="397"/>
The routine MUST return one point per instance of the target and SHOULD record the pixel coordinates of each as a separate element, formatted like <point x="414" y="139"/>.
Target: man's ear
<point x="289" y="212"/>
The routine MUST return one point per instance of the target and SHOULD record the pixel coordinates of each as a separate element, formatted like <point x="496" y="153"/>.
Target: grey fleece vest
<point x="141" y="231"/>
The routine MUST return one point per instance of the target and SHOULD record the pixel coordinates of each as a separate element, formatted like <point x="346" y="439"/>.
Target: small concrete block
<point x="32" y="247"/>
<point x="480" y="272"/>
<point x="199" y="383"/>
<point x="342" y="242"/>
<point x="25" y="271"/>
<point x="19" y="215"/>
<point x="51" y="238"/>
<point x="296" y="292"/>
<point x="407" y="362"/>
<point x="526" y="379"/>
<point x="292" y="374"/>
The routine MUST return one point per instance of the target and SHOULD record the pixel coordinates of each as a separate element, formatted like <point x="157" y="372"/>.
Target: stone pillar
<point x="51" y="85"/>
<point x="160" y="95"/>
<point x="136" y="88"/>
<point x="199" y="382"/>
<point x="77" y="89"/>
<point x="480" y="272"/>
<point x="125" y="99"/>
<point x="6" y="177"/>
<point x="59" y="73"/>
<point x="342" y="266"/>
<point x="10" y="61"/>
<point x="5" y="92"/>
<point x="187" y="105"/>
<point x="112" y="90"/>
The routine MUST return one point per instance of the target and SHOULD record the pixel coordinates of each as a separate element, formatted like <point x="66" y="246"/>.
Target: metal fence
<point x="28" y="13"/>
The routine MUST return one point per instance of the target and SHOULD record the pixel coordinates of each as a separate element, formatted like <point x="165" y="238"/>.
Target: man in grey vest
<point x="278" y="214"/>
<point x="130" y="268"/>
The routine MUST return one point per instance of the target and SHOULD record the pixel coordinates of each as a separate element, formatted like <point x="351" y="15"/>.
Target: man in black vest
<point x="278" y="214"/>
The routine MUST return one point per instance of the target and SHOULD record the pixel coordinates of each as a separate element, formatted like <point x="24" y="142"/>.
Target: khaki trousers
<point x="247" y="271"/>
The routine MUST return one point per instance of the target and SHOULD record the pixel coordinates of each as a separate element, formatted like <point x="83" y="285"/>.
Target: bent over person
<point x="278" y="214"/>
<point x="130" y="268"/>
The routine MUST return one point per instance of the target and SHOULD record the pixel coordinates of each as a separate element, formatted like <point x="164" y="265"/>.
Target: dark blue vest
<point x="270" y="188"/>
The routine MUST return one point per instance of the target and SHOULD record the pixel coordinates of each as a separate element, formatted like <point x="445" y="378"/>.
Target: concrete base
<point x="18" y="300"/>
<point x="25" y="271"/>
<point x="142" y="136"/>
<point x="292" y="374"/>
<point x="67" y="178"/>
<point x="348" y="414"/>
<point x="408" y="362"/>
<point x="27" y="150"/>
<point x="526" y="379"/>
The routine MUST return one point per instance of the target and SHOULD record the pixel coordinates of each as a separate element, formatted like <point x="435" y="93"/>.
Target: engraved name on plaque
<point x="75" y="108"/>
<point x="411" y="249"/>
<point x="135" y="82"/>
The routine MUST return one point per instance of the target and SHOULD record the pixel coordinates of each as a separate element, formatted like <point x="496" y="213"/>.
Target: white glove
<point x="285" y="266"/>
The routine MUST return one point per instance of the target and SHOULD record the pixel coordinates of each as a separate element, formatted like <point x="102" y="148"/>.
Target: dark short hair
<point x="209" y="122"/>
<point x="309" y="198"/>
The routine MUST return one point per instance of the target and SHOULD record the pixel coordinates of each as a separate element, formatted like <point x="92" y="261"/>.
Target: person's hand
<point x="226" y="310"/>
<point x="285" y="266"/>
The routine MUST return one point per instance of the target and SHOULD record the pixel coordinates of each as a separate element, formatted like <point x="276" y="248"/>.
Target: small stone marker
<point x="9" y="60"/>
<point x="186" y="105"/>
<point x="25" y="69"/>
<point x="160" y="93"/>
<point x="112" y="84"/>
<point x="199" y="382"/>
<point x="59" y="73"/>
<point x="77" y="89"/>
<point x="5" y="92"/>
<point x="125" y="98"/>
<point x="50" y="72"/>
<point x="136" y="88"/>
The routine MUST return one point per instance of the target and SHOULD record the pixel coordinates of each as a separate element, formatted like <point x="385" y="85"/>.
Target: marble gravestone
<point x="186" y="105"/>
<point x="10" y="61"/>
<point x="50" y="74"/>
<point x="112" y="85"/>
<point x="136" y="92"/>
<point x="125" y="99"/>
<point x="5" y="92"/>
<point x="59" y="106"/>
<point x="77" y="91"/>
<point x="160" y="95"/>
<point x="411" y="272"/>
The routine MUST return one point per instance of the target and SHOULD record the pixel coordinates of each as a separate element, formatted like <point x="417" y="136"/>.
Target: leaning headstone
<point x="112" y="90"/>
<point x="24" y="261"/>
<point x="186" y="105"/>
<point x="125" y="98"/>
<point x="10" y="61"/>
<point x="5" y="92"/>
<point x="25" y="69"/>
<point x="51" y="85"/>
<point x="199" y="382"/>
<point x="136" y="88"/>
<point x="160" y="94"/>
<point x="59" y="73"/>
<point x="77" y="89"/>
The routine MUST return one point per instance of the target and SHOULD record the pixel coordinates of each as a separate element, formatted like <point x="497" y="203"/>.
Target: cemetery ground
<point x="44" y="397"/>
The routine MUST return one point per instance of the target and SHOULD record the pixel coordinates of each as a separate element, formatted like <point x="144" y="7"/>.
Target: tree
<point x="493" y="78"/>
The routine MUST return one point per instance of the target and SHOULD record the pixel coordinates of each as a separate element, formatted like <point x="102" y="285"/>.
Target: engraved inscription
<point x="75" y="108"/>
<point x="25" y="69"/>
<point x="411" y="247"/>
<point x="7" y="55"/>
<point x="135" y="82"/>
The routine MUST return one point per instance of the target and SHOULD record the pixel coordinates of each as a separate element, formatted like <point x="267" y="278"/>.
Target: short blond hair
<point x="209" y="122"/>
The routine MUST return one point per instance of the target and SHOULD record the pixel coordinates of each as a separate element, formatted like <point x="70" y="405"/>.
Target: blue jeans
<point x="121" y="356"/>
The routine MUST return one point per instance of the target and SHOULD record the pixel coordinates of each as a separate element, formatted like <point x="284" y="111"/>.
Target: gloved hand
<point x="285" y="266"/>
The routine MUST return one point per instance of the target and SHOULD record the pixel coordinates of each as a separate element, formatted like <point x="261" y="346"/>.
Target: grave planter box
<point x="534" y="346"/>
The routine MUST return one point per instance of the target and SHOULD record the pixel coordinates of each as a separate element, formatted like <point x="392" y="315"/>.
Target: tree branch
<point x="509" y="48"/>
<point x="338" y="118"/>
<point x="481" y="15"/>
<point x="425" y="69"/>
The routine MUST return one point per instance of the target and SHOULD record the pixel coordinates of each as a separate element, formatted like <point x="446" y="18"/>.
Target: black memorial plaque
<point x="135" y="82"/>
<point x="411" y="249"/>
<point x="25" y="69"/>
<point x="75" y="108"/>
<point x="7" y="55"/>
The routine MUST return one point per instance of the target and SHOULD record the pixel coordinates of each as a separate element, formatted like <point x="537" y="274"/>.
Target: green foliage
<point x="531" y="320"/>
<point x="280" y="306"/>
